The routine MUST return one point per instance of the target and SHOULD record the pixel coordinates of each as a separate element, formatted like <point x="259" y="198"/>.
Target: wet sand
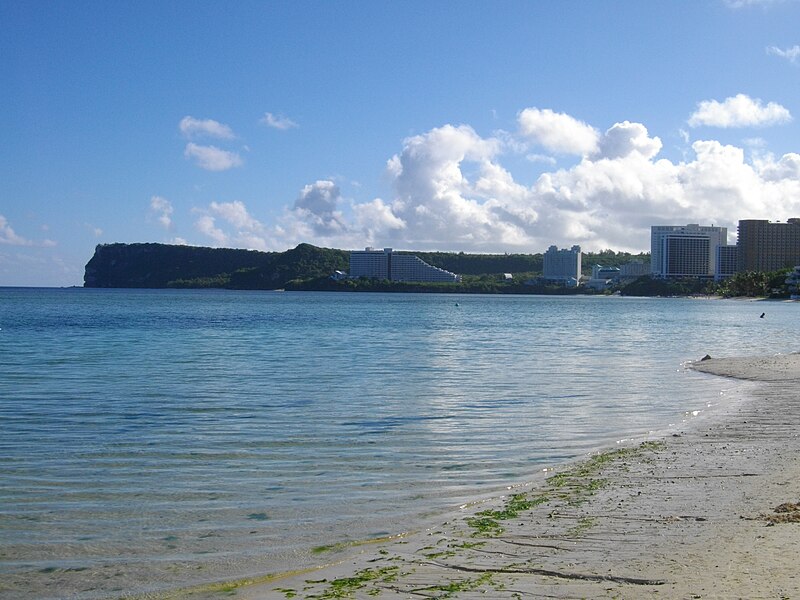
<point x="691" y="515"/>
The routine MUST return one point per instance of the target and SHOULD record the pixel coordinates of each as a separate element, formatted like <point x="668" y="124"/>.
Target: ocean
<point x="153" y="439"/>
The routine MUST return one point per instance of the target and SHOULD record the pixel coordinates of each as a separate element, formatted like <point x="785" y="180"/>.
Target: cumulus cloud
<point x="451" y="191"/>
<point x="791" y="54"/>
<point x="206" y="224"/>
<point x="277" y="121"/>
<point x="557" y="132"/>
<point x="317" y="204"/>
<point x="786" y="169"/>
<point x="739" y="111"/>
<point x="212" y="158"/>
<point x="231" y="224"/>
<point x="161" y="209"/>
<point x="625" y="138"/>
<point x="236" y="214"/>
<point x="195" y="128"/>
<point x="9" y="236"/>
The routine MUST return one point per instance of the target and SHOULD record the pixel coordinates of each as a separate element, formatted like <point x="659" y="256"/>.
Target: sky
<point x="493" y="126"/>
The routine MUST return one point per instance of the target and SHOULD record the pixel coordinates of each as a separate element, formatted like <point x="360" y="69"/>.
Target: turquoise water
<point x="154" y="438"/>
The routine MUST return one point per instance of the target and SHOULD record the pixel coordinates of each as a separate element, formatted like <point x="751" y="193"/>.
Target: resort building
<point x="766" y="246"/>
<point x="603" y="277"/>
<point x="727" y="259"/>
<point x="685" y="250"/>
<point x="634" y="269"/>
<point x="562" y="266"/>
<point x="370" y="263"/>
<point x="388" y="264"/>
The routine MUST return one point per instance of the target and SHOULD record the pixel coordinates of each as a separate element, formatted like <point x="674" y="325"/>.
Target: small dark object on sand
<point x="706" y="357"/>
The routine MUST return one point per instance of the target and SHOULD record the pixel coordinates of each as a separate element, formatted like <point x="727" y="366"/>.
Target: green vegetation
<point x="308" y="268"/>
<point x="748" y="284"/>
<point x="447" y="590"/>
<point x="647" y="286"/>
<point x="755" y="284"/>
<point x="584" y="525"/>
<point x="487" y="522"/>
<point x="346" y="587"/>
<point x="573" y="486"/>
<point x="165" y="266"/>
<point x="577" y="483"/>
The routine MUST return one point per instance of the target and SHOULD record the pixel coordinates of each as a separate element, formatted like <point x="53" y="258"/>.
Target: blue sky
<point x="461" y="126"/>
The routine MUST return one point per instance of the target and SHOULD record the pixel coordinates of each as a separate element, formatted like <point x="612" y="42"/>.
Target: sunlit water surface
<point x="151" y="438"/>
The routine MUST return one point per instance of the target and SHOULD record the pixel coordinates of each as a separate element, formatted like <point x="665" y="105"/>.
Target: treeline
<point x="756" y="285"/>
<point x="529" y="264"/>
<point x="476" y="284"/>
<point x="308" y="267"/>
<point x="165" y="266"/>
<point x="749" y="284"/>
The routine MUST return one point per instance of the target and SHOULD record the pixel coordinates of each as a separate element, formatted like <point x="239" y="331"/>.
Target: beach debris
<point x="788" y="512"/>
<point x="706" y="357"/>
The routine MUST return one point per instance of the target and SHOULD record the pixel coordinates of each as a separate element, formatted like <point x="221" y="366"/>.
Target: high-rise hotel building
<point x="685" y="250"/>
<point x="765" y="246"/>
<point x="562" y="266"/>
<point x="388" y="264"/>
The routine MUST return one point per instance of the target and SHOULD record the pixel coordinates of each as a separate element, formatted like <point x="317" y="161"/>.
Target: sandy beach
<point x="709" y="511"/>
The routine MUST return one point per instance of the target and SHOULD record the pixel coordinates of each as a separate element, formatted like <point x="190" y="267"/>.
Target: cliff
<point x="163" y="265"/>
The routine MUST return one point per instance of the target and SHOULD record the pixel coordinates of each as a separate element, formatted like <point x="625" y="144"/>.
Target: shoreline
<point x="688" y="515"/>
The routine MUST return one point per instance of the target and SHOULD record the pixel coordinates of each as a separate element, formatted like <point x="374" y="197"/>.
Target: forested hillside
<point x="164" y="266"/>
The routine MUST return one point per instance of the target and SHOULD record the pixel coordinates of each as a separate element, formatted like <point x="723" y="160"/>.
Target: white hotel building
<point x="562" y="266"/>
<point x="387" y="264"/>
<point x="685" y="250"/>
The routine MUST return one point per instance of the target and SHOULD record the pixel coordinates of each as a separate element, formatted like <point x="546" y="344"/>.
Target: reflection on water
<point x="153" y="438"/>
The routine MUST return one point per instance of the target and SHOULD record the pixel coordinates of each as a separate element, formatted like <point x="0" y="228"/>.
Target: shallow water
<point x="153" y="438"/>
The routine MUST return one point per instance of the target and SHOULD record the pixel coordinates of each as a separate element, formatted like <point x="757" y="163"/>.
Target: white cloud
<point x="317" y="204"/>
<point x="739" y="111"/>
<point x="786" y="169"/>
<point x="236" y="214"/>
<point x="791" y="54"/>
<point x="212" y="158"/>
<point x="206" y="225"/>
<point x="625" y="138"/>
<point x="231" y="224"/>
<point x="736" y="4"/>
<point x="9" y="236"/>
<point x="451" y="191"/>
<point x="194" y="128"/>
<point x="162" y="209"/>
<point x="755" y="142"/>
<point x="96" y="231"/>
<point x="277" y="121"/>
<point x="541" y="158"/>
<point x="557" y="132"/>
<point x="179" y="241"/>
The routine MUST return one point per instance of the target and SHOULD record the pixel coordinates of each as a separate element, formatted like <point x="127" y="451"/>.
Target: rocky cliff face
<point x="162" y="265"/>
